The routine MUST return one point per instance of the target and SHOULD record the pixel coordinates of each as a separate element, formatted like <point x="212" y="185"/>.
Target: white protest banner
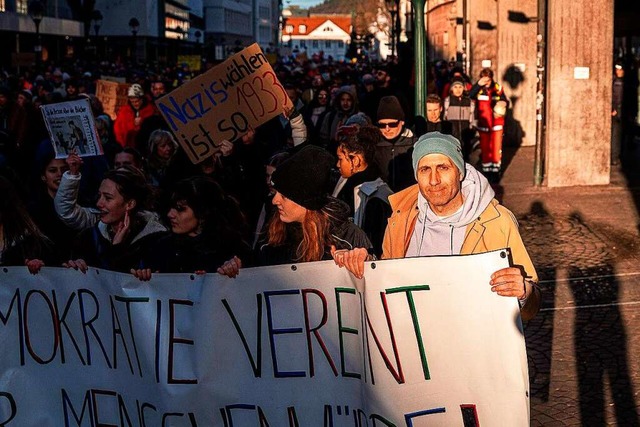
<point x="71" y="127"/>
<point x="112" y="94"/>
<point x="224" y="103"/>
<point x="418" y="342"/>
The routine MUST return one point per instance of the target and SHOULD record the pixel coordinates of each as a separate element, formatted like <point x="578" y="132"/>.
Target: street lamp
<point x="392" y="7"/>
<point x="96" y="17"/>
<point x="36" y="12"/>
<point x="134" y="25"/>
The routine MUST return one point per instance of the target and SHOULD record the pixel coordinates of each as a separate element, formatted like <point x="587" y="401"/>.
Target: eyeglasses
<point x="391" y="125"/>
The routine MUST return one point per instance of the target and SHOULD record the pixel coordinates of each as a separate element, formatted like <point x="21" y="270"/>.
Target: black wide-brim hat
<point x="305" y="177"/>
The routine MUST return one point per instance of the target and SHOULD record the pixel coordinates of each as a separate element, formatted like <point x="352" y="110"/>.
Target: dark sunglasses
<point x="392" y="125"/>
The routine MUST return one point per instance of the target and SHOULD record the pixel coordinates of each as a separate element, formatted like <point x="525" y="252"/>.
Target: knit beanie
<point x="305" y="177"/>
<point x="457" y="81"/>
<point x="389" y="108"/>
<point x="135" y="91"/>
<point x="360" y="119"/>
<point x="438" y="143"/>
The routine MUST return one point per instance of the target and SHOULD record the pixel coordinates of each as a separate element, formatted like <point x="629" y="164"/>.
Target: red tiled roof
<point x="314" y="21"/>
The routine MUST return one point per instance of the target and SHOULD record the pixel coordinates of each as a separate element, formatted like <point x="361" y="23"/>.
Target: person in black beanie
<point x="396" y="140"/>
<point x="309" y="224"/>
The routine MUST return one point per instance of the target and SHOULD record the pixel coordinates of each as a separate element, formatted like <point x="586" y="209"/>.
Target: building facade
<point x="517" y="38"/>
<point x="315" y="34"/>
<point x="163" y="30"/>
<point x="234" y="24"/>
<point x="58" y="32"/>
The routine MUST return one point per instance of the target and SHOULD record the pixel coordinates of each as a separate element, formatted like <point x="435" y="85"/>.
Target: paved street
<point x="583" y="346"/>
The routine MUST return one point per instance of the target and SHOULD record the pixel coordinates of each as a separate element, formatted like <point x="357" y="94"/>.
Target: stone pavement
<point x="584" y="345"/>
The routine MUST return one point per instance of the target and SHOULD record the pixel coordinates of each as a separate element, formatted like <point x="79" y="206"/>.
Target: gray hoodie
<point x="434" y="235"/>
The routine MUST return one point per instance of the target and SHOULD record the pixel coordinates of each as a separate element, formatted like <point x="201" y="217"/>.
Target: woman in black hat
<point x="309" y="225"/>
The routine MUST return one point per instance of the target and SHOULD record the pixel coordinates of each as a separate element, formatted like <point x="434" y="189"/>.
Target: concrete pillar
<point x="578" y="134"/>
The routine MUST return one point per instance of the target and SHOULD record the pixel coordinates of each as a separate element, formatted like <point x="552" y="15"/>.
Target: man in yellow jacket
<point x="452" y="211"/>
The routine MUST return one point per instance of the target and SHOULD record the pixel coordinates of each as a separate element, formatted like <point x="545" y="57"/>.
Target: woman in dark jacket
<point x="314" y="114"/>
<point x="309" y="225"/>
<point x="46" y="182"/>
<point x="360" y="185"/>
<point x="21" y="242"/>
<point x="123" y="238"/>
<point x="206" y="230"/>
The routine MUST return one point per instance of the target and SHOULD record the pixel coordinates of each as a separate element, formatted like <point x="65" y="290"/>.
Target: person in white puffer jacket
<point x="66" y="199"/>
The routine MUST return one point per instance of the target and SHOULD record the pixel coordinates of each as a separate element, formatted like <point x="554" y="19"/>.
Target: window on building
<point x="327" y="44"/>
<point x="303" y="44"/>
<point x="340" y="44"/>
<point x="21" y="6"/>
<point x="327" y="29"/>
<point x="265" y="34"/>
<point x="314" y="44"/>
<point x="302" y="29"/>
<point x="176" y="12"/>
<point x="235" y="20"/>
<point x="445" y="38"/>
<point x="288" y="29"/>
<point x="264" y="12"/>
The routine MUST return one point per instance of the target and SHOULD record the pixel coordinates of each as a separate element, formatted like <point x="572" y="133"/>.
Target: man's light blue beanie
<point x="438" y="143"/>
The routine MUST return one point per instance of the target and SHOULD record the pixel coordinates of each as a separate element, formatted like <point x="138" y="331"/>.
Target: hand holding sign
<point x="224" y="103"/>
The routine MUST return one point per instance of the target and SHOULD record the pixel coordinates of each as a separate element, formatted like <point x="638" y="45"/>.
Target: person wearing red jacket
<point x="491" y="106"/>
<point x="131" y="116"/>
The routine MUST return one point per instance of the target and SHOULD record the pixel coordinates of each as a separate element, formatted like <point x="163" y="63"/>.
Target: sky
<point x="302" y="3"/>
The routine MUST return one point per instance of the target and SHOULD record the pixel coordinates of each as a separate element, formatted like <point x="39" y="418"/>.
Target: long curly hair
<point x="317" y="228"/>
<point x="15" y="220"/>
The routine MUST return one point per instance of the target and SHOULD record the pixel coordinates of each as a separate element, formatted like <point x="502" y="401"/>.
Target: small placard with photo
<point x="72" y="128"/>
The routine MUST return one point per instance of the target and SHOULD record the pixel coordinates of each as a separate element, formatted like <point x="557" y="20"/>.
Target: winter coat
<point x="95" y="247"/>
<point x="486" y="98"/>
<point x="335" y="118"/>
<point x="460" y="112"/>
<point x="401" y="171"/>
<point x="175" y="253"/>
<point x="27" y="247"/>
<point x="66" y="204"/>
<point x="344" y="235"/>
<point x="125" y="129"/>
<point x="495" y="228"/>
<point x="43" y="213"/>
<point x="367" y="196"/>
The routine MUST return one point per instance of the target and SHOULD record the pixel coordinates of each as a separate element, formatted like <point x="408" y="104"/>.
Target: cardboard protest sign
<point x="71" y="127"/>
<point x="417" y="342"/>
<point x="114" y="79"/>
<point x="113" y="95"/>
<point x="224" y="103"/>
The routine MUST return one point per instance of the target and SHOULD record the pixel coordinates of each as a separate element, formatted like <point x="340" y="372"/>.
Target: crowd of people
<point x="315" y="183"/>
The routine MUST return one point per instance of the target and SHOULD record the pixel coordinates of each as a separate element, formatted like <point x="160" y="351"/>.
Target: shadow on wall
<point x="513" y="78"/>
